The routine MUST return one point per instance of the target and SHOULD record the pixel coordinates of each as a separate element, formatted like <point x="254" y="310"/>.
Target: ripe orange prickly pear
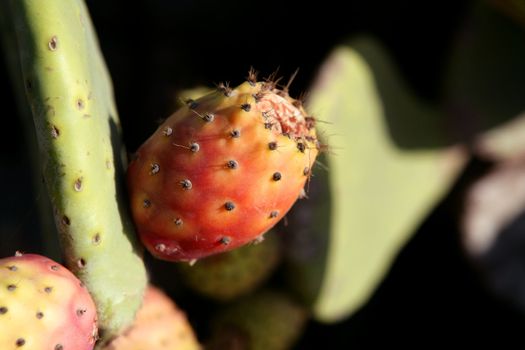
<point x="159" y="325"/>
<point x="44" y="306"/>
<point x="221" y="171"/>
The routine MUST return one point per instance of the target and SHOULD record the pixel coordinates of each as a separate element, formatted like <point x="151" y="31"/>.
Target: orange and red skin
<point x="250" y="186"/>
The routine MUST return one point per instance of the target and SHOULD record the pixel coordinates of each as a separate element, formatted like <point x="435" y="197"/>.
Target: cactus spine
<point x="77" y="126"/>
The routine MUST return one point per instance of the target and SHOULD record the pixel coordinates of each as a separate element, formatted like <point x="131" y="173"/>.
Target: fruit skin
<point x="266" y="320"/>
<point x="159" y="325"/>
<point x="228" y="275"/>
<point x="221" y="171"/>
<point x="44" y="306"/>
<point x="78" y="131"/>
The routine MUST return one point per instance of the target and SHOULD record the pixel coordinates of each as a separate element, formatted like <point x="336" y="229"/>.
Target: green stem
<point x="47" y="228"/>
<point x="70" y="93"/>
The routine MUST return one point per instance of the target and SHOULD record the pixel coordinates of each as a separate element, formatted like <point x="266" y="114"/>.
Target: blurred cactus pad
<point x="392" y="156"/>
<point x="387" y="165"/>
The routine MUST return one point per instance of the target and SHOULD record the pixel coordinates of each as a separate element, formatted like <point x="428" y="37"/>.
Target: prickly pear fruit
<point x="221" y="171"/>
<point x="266" y="320"/>
<point x="44" y="306"/>
<point x="159" y="325"/>
<point x="231" y="274"/>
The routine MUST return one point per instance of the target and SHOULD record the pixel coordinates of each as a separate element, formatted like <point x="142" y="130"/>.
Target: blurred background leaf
<point x="380" y="191"/>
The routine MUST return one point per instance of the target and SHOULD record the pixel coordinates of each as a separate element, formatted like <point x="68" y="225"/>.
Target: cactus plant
<point x="391" y="158"/>
<point x="69" y="91"/>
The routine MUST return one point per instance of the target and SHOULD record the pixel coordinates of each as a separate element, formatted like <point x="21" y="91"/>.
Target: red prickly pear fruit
<point x="221" y="171"/>
<point x="159" y="325"/>
<point x="44" y="306"/>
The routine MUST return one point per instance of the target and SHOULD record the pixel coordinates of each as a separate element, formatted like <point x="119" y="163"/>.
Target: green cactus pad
<point x="386" y="168"/>
<point x="70" y="93"/>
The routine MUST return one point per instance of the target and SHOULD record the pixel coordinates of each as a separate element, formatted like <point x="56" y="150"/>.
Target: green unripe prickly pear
<point x="263" y="321"/>
<point x="231" y="274"/>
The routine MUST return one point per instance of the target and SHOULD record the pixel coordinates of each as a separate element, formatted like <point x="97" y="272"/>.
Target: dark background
<point x="433" y="295"/>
